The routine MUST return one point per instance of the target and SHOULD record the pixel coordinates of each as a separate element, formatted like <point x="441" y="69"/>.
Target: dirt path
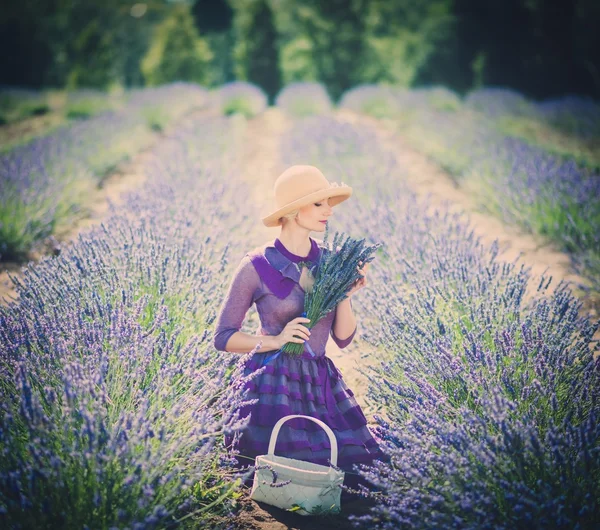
<point x="262" y="165"/>
<point x="427" y="179"/>
<point x="127" y="177"/>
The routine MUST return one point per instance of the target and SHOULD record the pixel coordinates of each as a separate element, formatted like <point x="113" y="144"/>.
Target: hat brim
<point x="337" y="194"/>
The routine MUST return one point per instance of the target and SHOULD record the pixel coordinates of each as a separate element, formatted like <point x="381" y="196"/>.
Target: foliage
<point x="256" y="52"/>
<point x="296" y="61"/>
<point x="94" y="64"/>
<point x="95" y="44"/>
<point x="336" y="30"/>
<point x="221" y="66"/>
<point x="400" y="38"/>
<point x="553" y="49"/>
<point x="177" y="52"/>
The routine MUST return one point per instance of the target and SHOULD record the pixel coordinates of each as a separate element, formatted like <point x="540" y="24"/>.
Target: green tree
<point x="336" y="30"/>
<point x="256" y="51"/>
<point x="401" y="36"/>
<point x="177" y="52"/>
<point x="76" y="42"/>
<point x="296" y="61"/>
<point x="214" y="19"/>
<point x="93" y="57"/>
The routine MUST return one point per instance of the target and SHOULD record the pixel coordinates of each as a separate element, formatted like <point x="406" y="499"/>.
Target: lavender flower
<point x="336" y="272"/>
<point x="525" y="184"/>
<point x="45" y="184"/>
<point x="114" y="405"/>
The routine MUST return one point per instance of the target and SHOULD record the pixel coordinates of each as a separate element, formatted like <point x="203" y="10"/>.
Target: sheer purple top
<point x="269" y="276"/>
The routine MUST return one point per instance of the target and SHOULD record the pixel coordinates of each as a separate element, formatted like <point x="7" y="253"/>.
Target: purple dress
<point x="309" y="384"/>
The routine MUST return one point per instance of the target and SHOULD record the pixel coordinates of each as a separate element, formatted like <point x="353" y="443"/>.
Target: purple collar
<point x="278" y="267"/>
<point x="312" y="255"/>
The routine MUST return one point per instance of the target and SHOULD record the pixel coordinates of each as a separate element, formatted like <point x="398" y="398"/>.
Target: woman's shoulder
<point x="261" y="249"/>
<point x="256" y="257"/>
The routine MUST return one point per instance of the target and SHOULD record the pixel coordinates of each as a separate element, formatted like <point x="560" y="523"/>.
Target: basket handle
<point x="332" y="440"/>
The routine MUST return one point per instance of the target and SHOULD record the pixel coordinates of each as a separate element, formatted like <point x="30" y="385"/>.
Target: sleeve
<point x="342" y="343"/>
<point x="241" y="295"/>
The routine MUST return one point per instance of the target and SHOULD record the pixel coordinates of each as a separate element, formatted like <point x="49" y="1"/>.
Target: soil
<point x="257" y="515"/>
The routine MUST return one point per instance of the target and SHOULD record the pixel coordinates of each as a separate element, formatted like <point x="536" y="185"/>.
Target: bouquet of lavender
<point x="337" y="271"/>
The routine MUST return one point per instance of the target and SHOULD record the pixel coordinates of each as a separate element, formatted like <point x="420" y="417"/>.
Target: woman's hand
<point x="294" y="331"/>
<point x="361" y="282"/>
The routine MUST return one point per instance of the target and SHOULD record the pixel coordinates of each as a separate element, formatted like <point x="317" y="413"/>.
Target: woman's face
<point x="312" y="216"/>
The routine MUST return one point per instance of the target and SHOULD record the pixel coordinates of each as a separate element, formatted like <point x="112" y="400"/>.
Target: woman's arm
<point x="242" y="292"/>
<point x="241" y="342"/>
<point x="344" y="325"/>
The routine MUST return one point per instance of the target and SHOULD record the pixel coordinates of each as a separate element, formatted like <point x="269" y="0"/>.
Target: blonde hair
<point x="289" y="216"/>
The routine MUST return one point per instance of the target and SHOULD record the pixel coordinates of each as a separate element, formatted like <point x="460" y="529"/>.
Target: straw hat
<point x="300" y="185"/>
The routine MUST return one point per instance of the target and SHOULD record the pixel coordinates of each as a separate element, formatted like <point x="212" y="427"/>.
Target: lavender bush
<point x="240" y="97"/>
<point x="19" y="103"/>
<point x="87" y="102"/>
<point x="575" y="115"/>
<point x="304" y="99"/>
<point x="487" y="382"/>
<point x="560" y="127"/>
<point x="499" y="101"/>
<point x="376" y="100"/>
<point x="46" y="182"/>
<point x="114" y="403"/>
<point x="521" y="183"/>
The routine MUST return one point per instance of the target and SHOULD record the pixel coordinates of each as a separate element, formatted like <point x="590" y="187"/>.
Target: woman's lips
<point x="324" y="222"/>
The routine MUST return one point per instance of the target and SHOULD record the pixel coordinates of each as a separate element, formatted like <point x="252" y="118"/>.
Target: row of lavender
<point x="571" y="115"/>
<point x="58" y="107"/>
<point x="518" y="181"/>
<point x="113" y="401"/>
<point x="492" y="397"/>
<point x="47" y="182"/>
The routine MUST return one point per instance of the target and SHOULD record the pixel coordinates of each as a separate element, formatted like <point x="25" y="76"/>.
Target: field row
<point x="533" y="166"/>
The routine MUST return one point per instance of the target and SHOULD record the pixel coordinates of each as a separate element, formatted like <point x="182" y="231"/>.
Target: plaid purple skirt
<point x="312" y="386"/>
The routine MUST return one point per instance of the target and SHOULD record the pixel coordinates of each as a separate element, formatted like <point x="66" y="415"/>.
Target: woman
<point x="275" y="277"/>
